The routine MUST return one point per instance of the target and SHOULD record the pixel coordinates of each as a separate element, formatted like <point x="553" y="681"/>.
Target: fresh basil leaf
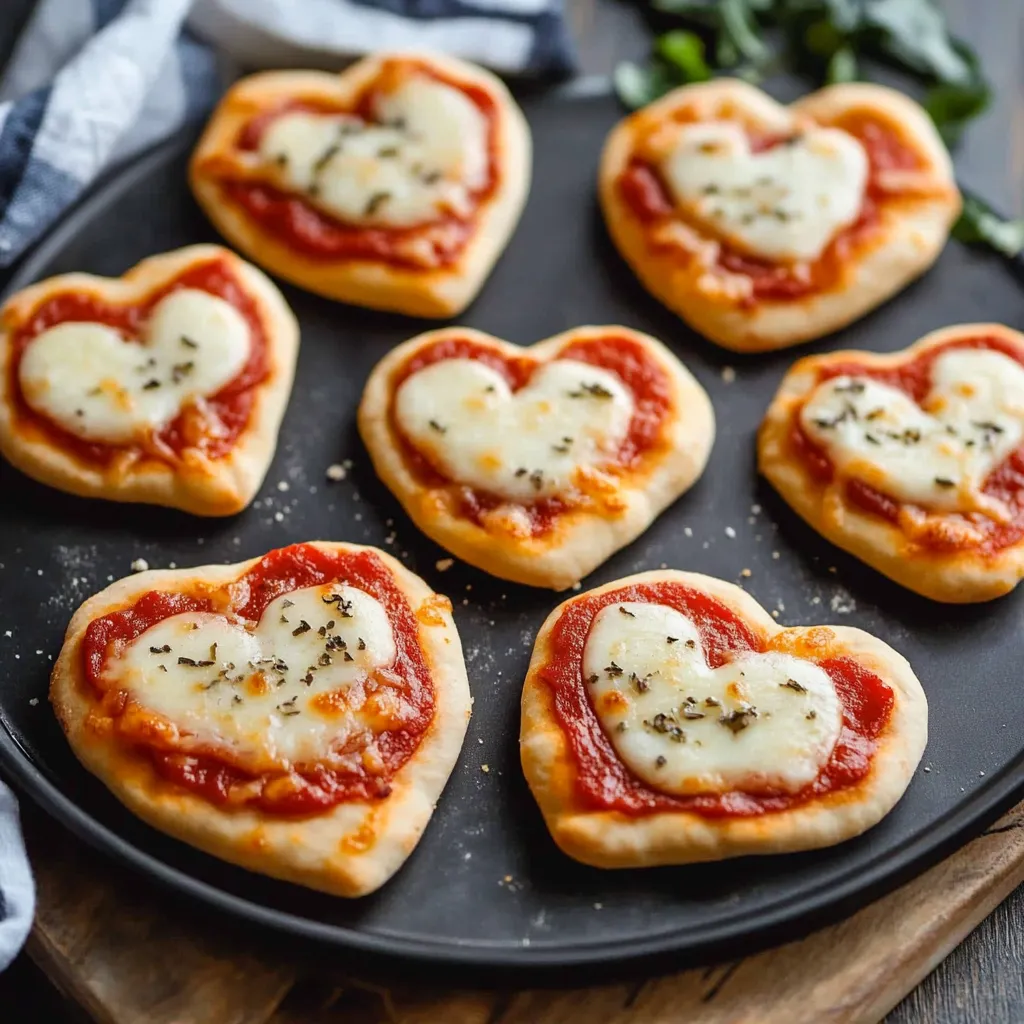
<point x="952" y="106"/>
<point x="637" y="86"/>
<point x="699" y="10"/>
<point x="684" y="51"/>
<point x="914" y="32"/>
<point x="822" y="38"/>
<point x="842" y="67"/>
<point x="726" y="54"/>
<point x="978" y="223"/>
<point x="739" y="24"/>
<point x="845" y="15"/>
<point x="749" y="73"/>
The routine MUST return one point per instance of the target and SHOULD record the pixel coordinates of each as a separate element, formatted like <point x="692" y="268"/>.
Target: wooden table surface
<point x="982" y="982"/>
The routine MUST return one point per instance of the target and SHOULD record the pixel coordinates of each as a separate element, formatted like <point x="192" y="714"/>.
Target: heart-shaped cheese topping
<point x="937" y="455"/>
<point x="760" y="722"/>
<point x="784" y="203"/>
<point x="426" y="153"/>
<point x="289" y="691"/>
<point x="88" y="379"/>
<point x="523" y="445"/>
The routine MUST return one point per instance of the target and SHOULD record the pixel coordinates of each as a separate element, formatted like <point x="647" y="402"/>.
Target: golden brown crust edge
<point x="611" y="839"/>
<point x="584" y="540"/>
<point x="350" y="850"/>
<point x="910" y="242"/>
<point x="209" y="487"/>
<point x="961" y="578"/>
<point x="437" y="293"/>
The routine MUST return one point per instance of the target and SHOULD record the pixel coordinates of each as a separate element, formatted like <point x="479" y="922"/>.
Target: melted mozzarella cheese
<point x="937" y="456"/>
<point x="88" y="379"/>
<point x="785" y="203"/>
<point x="276" y="695"/>
<point x="568" y="419"/>
<point x="759" y="722"/>
<point x="427" y="154"/>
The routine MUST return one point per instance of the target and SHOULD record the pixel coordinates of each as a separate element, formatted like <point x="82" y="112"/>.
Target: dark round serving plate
<point x="487" y="887"/>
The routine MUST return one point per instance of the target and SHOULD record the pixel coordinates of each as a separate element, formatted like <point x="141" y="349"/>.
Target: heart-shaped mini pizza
<point x="914" y="461"/>
<point x="535" y="464"/>
<point x="667" y="718"/>
<point x="297" y="714"/>
<point x="166" y="385"/>
<point x="763" y="225"/>
<point x="395" y="184"/>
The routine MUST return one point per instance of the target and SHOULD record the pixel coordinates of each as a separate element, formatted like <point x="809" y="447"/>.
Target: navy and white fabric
<point x="17" y="893"/>
<point x="92" y="82"/>
<point x="514" y="37"/>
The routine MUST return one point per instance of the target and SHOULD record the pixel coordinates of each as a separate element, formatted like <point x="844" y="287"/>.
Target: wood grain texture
<point x="128" y="955"/>
<point x="130" y="958"/>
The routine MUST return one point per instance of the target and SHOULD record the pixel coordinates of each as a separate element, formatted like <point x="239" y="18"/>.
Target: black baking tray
<point x="487" y="887"/>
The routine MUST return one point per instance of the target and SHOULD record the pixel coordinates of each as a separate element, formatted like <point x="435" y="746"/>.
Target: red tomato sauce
<point x="647" y="195"/>
<point x="622" y="356"/>
<point x="252" y="131"/>
<point x="1005" y="482"/>
<point x="603" y="782"/>
<point x="312" y="232"/>
<point x="315" y="233"/>
<point x="227" y="412"/>
<point x="308" y="789"/>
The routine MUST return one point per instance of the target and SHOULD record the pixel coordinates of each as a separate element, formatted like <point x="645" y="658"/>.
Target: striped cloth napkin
<point x="93" y="82"/>
<point x="17" y="892"/>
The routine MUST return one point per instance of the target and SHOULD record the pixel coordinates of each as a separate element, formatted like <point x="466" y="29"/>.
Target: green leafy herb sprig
<point x="826" y="41"/>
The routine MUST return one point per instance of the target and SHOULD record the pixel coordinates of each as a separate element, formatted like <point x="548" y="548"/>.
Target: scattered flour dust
<point x="74" y="580"/>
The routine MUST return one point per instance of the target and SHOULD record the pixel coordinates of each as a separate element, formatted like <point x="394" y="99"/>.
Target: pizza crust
<point x="351" y="849"/>
<point x="959" y="578"/>
<point x="913" y="231"/>
<point x="201" y="485"/>
<point x="612" y="839"/>
<point x="441" y="292"/>
<point x="581" y="539"/>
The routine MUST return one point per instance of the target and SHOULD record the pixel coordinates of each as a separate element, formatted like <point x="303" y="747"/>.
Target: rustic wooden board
<point x="129" y="955"/>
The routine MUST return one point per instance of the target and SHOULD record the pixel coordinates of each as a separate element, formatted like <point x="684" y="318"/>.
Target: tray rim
<point x="734" y="936"/>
